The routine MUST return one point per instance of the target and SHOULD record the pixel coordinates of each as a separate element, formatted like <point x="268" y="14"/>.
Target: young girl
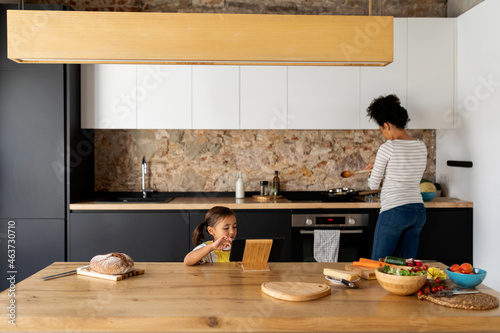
<point x="221" y="224"/>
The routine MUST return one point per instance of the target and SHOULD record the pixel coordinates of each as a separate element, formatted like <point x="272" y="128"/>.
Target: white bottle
<point x="240" y="188"/>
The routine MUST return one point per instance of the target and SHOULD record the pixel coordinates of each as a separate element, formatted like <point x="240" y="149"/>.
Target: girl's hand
<point x="222" y="243"/>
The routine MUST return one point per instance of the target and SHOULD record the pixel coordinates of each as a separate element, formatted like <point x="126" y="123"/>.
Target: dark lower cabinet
<point x="256" y="224"/>
<point x="166" y="236"/>
<point x="145" y="235"/>
<point x="447" y="236"/>
<point x="27" y="246"/>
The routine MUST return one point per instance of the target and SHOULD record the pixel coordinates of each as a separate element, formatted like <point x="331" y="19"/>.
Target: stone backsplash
<point x="209" y="160"/>
<point x="397" y="8"/>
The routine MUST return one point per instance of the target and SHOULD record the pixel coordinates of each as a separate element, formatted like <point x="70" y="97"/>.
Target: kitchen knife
<point x="456" y="291"/>
<point x="55" y="276"/>
<point x="350" y="284"/>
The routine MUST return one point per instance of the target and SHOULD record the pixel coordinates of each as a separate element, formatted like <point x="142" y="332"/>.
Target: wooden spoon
<point x="347" y="174"/>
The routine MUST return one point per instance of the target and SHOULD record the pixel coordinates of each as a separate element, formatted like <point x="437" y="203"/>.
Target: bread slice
<point x="339" y="274"/>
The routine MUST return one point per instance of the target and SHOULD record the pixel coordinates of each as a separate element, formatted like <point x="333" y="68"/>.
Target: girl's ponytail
<point x="198" y="235"/>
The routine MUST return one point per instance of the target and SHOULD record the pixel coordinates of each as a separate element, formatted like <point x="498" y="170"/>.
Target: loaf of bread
<point x="112" y="263"/>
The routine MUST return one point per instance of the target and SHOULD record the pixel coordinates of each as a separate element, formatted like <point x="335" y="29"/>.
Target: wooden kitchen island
<point x="171" y="297"/>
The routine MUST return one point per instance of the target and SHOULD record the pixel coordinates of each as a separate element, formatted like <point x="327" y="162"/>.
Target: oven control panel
<point x="329" y="220"/>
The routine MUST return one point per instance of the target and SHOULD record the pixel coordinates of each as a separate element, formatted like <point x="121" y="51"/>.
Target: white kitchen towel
<point x="326" y="245"/>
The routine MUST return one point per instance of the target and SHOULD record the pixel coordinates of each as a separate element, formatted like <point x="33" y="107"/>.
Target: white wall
<point x="477" y="137"/>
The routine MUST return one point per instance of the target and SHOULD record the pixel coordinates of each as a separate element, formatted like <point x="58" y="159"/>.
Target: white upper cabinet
<point x="263" y="99"/>
<point x="391" y="79"/>
<point x="163" y="97"/>
<point x="108" y="96"/>
<point x="322" y="97"/>
<point x="216" y="97"/>
<point x="431" y="72"/>
<point x="279" y="97"/>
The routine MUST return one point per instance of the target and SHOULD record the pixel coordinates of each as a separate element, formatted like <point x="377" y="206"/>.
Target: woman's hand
<point x="222" y="244"/>
<point x="369" y="166"/>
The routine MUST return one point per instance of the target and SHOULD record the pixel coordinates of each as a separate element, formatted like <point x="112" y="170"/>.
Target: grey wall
<point x="458" y="7"/>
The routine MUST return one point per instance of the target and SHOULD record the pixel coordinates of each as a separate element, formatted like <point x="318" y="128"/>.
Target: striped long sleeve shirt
<point x="398" y="169"/>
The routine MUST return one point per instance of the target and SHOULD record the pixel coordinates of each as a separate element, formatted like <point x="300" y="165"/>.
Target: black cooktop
<point x="319" y="196"/>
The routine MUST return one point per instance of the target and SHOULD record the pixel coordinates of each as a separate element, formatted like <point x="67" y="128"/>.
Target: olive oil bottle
<point x="276" y="184"/>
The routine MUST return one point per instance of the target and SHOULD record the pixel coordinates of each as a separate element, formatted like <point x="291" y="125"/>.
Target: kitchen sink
<point x="135" y="200"/>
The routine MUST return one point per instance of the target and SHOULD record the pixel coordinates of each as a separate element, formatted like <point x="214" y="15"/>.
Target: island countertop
<point x="172" y="297"/>
<point x="204" y="203"/>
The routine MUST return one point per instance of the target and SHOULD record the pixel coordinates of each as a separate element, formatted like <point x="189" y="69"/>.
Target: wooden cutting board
<point x="364" y="272"/>
<point x="115" y="277"/>
<point x="295" y="291"/>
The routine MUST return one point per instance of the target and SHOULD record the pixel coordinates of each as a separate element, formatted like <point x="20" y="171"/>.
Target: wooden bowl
<point x="400" y="285"/>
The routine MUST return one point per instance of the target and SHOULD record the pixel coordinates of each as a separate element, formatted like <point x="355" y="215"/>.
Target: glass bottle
<point x="240" y="188"/>
<point x="276" y="183"/>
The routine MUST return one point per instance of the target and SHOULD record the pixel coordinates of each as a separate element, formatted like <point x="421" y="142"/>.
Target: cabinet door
<point x="431" y="72"/>
<point x="323" y="97"/>
<point x="163" y="97"/>
<point x="390" y="79"/>
<point x="32" y="172"/>
<point x="256" y="224"/>
<point x="109" y="98"/>
<point x="216" y="97"/>
<point x="34" y="244"/>
<point x="145" y="236"/>
<point x="263" y="99"/>
<point x="447" y="236"/>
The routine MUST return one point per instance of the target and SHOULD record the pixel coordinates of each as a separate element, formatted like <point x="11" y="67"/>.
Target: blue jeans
<point x="399" y="226"/>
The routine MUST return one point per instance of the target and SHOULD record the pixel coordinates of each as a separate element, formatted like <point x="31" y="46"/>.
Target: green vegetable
<point x="401" y="271"/>
<point x="438" y="186"/>
<point x="425" y="181"/>
<point x="395" y="261"/>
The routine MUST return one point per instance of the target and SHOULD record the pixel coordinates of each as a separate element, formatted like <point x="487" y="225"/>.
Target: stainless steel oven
<point x="353" y="228"/>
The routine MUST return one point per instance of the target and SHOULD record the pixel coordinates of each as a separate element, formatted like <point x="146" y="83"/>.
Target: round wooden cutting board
<point x="295" y="291"/>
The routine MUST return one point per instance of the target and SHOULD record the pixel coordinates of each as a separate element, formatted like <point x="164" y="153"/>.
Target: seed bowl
<point x="400" y="285"/>
<point x="428" y="196"/>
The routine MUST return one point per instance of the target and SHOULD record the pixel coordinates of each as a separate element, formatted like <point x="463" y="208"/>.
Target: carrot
<point x="379" y="263"/>
<point x="365" y="264"/>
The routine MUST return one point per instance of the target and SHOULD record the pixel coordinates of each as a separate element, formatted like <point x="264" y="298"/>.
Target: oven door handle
<point x="355" y="231"/>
